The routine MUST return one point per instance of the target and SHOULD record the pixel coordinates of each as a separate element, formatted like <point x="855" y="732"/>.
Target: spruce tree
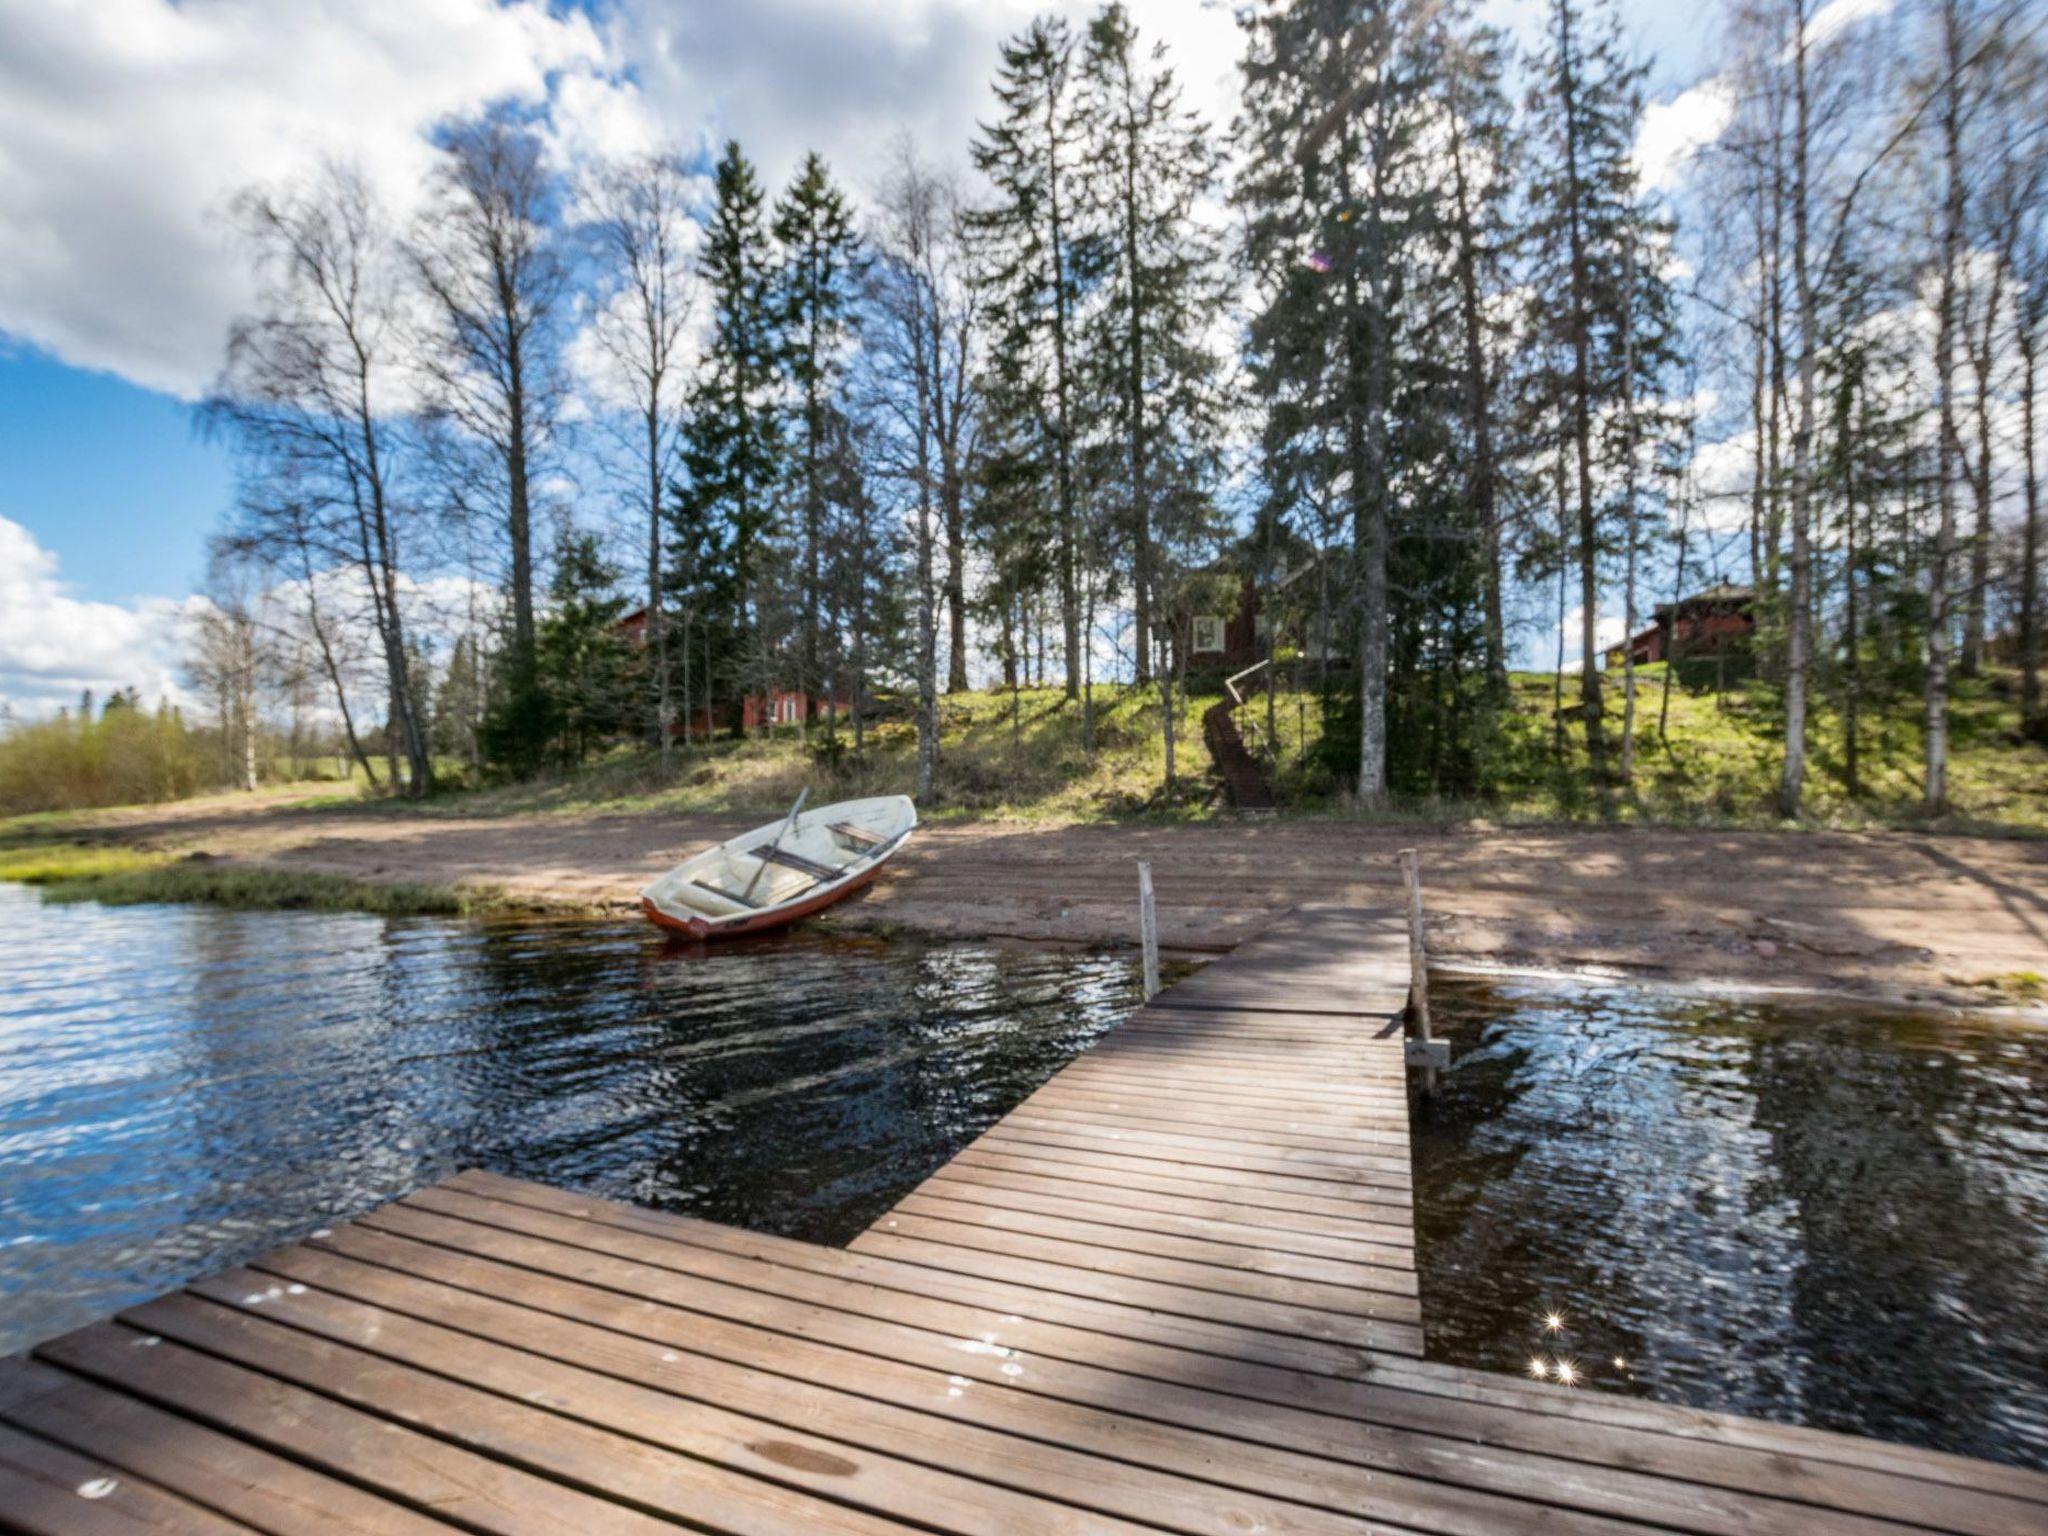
<point x="584" y="660"/>
<point x="1339" y="203"/>
<point x="1031" y="155"/>
<point x="1147" y="353"/>
<point x="1585" y="106"/>
<point x="816" y="294"/>
<point x="731" y="447"/>
<point x="1482" y="145"/>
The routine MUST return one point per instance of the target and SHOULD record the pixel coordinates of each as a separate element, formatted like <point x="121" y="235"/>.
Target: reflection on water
<point x="1822" y="1217"/>
<point x="182" y="1087"/>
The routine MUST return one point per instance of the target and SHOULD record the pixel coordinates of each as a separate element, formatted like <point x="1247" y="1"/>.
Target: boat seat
<point x="858" y="838"/>
<point x="732" y="898"/>
<point x="790" y="860"/>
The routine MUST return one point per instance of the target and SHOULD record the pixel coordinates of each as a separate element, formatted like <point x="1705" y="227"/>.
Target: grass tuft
<point x="57" y="863"/>
<point x="238" y="886"/>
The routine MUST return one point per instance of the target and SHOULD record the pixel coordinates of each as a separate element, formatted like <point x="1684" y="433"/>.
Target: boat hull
<point x="702" y="928"/>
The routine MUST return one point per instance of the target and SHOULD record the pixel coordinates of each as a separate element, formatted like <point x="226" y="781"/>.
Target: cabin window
<point x="1208" y="633"/>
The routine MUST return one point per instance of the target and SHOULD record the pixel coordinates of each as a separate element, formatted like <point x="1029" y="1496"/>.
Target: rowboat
<point x="776" y="874"/>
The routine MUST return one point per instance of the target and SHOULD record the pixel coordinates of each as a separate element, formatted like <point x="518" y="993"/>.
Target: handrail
<point x="1230" y="683"/>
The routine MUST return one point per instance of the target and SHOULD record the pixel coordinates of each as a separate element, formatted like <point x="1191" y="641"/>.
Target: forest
<point x="1414" y="354"/>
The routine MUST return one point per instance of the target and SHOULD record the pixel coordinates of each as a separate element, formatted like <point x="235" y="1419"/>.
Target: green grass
<point x="130" y="876"/>
<point x="1717" y="766"/>
<point x="231" y="885"/>
<point x="1718" y="762"/>
<point x="41" y="863"/>
<point x="1035" y="766"/>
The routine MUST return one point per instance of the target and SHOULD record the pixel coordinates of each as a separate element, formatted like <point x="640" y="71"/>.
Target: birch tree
<point x="309" y="399"/>
<point x="645" y="240"/>
<point x="486" y="259"/>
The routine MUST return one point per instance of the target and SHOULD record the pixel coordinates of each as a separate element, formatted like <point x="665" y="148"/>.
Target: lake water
<point x="1819" y="1217"/>
<point x="181" y="1087"/>
<point x="1826" y="1217"/>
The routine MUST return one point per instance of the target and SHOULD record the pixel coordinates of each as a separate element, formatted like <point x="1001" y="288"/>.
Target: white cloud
<point x="1723" y="473"/>
<point x="1838" y="15"/>
<point x="53" y="645"/>
<point x="843" y="77"/>
<point x="127" y="125"/>
<point x="1608" y="629"/>
<point x="1673" y="131"/>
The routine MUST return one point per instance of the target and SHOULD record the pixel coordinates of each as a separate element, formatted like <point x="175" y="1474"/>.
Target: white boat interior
<point x="786" y="860"/>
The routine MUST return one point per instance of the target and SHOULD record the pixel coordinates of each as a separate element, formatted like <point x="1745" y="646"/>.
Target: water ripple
<point x="183" y="1087"/>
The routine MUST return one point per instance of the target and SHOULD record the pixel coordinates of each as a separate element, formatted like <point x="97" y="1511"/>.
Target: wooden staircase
<point x="1243" y="780"/>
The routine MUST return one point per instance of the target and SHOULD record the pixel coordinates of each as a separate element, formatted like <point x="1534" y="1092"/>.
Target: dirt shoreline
<point x="1893" y="915"/>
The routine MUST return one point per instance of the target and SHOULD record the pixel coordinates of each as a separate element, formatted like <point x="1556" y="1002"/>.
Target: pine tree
<point x="731" y="449"/>
<point x="816" y="292"/>
<point x="1032" y="274"/>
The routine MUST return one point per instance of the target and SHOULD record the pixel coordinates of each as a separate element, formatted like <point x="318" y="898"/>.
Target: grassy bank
<point x="126" y="876"/>
<point x="1025" y="757"/>
<point x="1711" y="757"/>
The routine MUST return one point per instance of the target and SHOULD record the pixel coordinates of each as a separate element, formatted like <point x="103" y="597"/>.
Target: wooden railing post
<point x="1148" y="927"/>
<point x="1418" y="975"/>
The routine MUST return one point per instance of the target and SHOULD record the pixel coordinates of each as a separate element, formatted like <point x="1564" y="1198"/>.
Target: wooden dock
<point x="1173" y="1290"/>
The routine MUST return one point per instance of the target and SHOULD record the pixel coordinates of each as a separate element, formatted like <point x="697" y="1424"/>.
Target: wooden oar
<point x="781" y="832"/>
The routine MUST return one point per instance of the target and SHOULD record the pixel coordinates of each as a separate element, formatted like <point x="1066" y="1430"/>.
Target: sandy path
<point x="1881" y="914"/>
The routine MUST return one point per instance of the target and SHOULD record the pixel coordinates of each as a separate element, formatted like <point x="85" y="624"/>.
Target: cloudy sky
<point x="126" y="125"/>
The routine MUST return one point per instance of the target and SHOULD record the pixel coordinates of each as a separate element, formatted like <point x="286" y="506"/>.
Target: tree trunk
<point x="519" y="520"/>
<point x="2032" y="721"/>
<point x="1976" y="599"/>
<point x="333" y="670"/>
<point x="814" y="524"/>
<point x="1365" y="453"/>
<point x="1166" y="712"/>
<point x="1070" y="597"/>
<point x="1792" y="779"/>
<point x="245" y="684"/>
<point x="1564" y="566"/>
<point x="1935" y="726"/>
<point x="1479" y="405"/>
<point x="379" y="556"/>
<point x="657" y="618"/>
<point x="1852" y="639"/>
<point x="1134" y="408"/>
<point x="1582" y="414"/>
<point x="956" y="583"/>
<point x="1628" y="598"/>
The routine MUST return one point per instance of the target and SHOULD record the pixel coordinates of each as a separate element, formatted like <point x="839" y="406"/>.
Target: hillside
<point x="1025" y="759"/>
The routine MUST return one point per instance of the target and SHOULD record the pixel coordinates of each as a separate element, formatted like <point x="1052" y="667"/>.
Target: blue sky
<point x="137" y="119"/>
<point x="109" y="476"/>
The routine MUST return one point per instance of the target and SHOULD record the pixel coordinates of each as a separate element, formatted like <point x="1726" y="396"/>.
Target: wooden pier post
<point x="1148" y="927"/>
<point x="1422" y="1050"/>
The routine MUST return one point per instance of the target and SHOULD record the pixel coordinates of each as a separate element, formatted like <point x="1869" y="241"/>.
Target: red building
<point x="1721" y="618"/>
<point x="778" y="706"/>
<point x="1225" y="624"/>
